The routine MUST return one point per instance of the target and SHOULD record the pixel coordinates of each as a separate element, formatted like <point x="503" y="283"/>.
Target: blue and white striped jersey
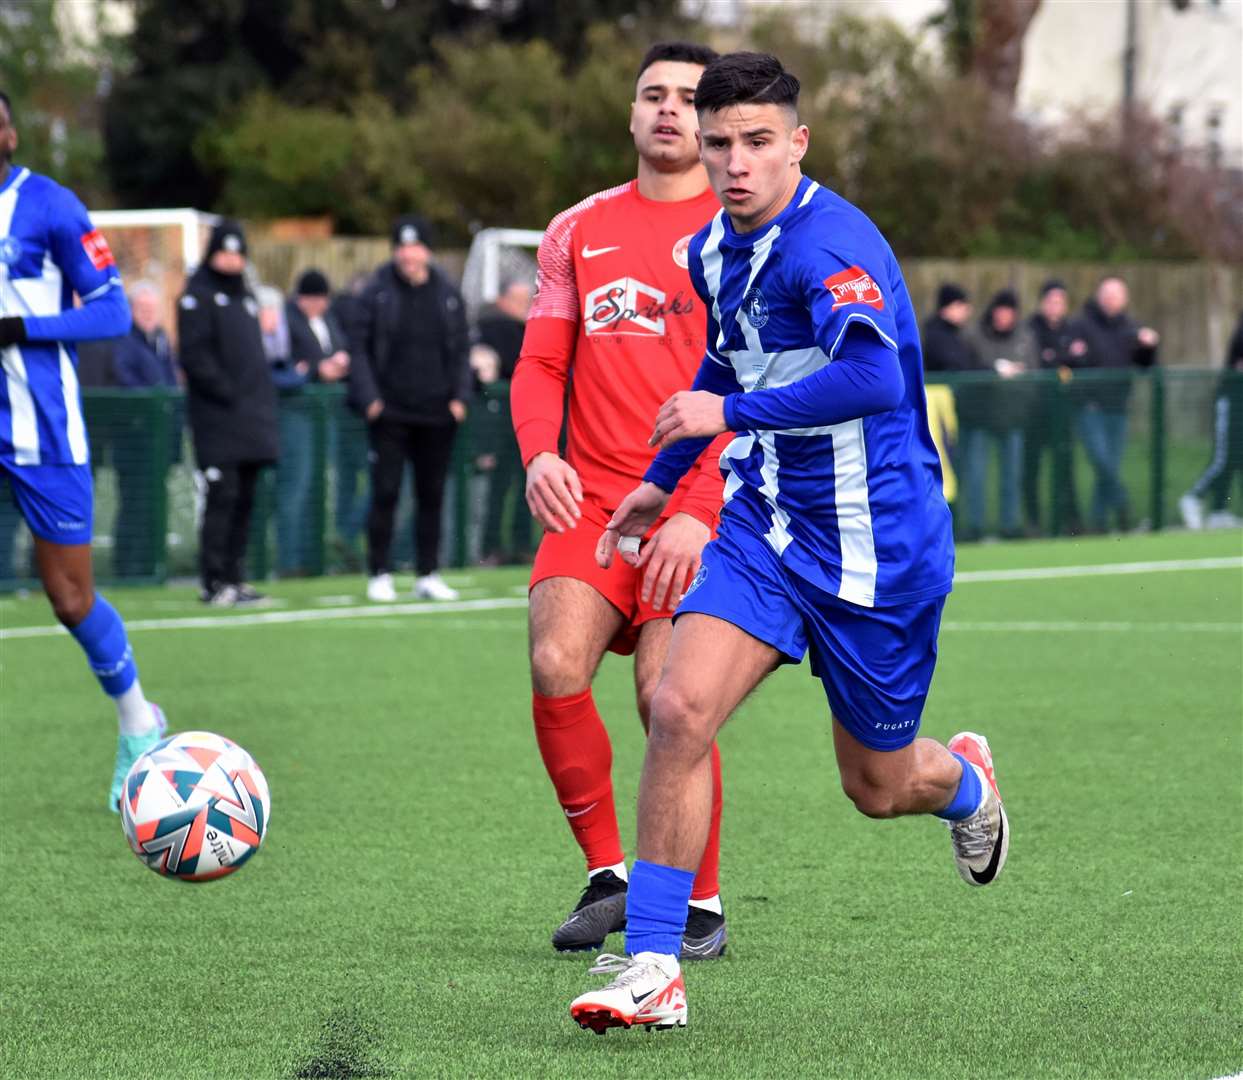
<point x="853" y="507"/>
<point x="49" y="250"/>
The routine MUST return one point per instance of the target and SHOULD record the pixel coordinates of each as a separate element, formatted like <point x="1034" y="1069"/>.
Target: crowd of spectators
<point x="997" y="413"/>
<point x="413" y="367"/>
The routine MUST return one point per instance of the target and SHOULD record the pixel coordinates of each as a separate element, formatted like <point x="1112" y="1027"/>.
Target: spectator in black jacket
<point x="231" y="401"/>
<point x="945" y="346"/>
<point x="142" y="360"/>
<point x="411" y="379"/>
<point x="1006" y="349"/>
<point x="1227" y="459"/>
<point x="1057" y="351"/>
<point x="1116" y="343"/>
<point x="947" y="350"/>
<point x="317" y="354"/>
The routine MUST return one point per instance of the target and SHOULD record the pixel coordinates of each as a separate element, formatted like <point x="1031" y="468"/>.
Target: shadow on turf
<point x="344" y="1049"/>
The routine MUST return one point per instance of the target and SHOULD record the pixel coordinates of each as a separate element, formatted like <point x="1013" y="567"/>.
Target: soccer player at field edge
<point x="834" y="538"/>
<point x="49" y="250"/>
<point x="616" y="319"/>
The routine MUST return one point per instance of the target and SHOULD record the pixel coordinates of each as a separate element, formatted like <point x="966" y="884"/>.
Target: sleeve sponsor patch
<point x="854" y="285"/>
<point x="97" y="249"/>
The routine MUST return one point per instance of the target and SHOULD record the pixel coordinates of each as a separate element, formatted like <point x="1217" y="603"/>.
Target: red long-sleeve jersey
<point x="615" y="315"/>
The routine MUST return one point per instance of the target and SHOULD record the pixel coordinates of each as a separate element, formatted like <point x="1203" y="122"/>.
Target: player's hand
<point x="672" y="558"/>
<point x="637" y="513"/>
<point x="554" y="492"/>
<point x="458" y="410"/>
<point x="686" y="415"/>
<point x="374" y="410"/>
<point x="1149" y="338"/>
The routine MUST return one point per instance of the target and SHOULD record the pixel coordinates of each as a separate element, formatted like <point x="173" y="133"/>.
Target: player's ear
<point x="630" y="127"/>
<point x="800" y="137"/>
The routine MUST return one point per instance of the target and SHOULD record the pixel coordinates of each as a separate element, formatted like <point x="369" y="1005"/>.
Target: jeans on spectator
<point x="1103" y="435"/>
<point x="973" y="452"/>
<point x="293" y="486"/>
<point x="352" y="497"/>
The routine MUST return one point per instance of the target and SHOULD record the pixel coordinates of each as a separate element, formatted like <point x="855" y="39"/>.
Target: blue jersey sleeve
<point x="864" y="378"/>
<point x="852" y="313"/>
<point x="674" y="462"/>
<point x="83" y="257"/>
<point x="842" y="289"/>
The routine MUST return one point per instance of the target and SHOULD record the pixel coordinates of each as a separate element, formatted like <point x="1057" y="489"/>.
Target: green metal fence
<point x="1035" y="432"/>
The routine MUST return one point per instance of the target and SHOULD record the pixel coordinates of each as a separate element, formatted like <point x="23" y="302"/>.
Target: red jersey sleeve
<point x="699" y="494"/>
<point x="537" y="392"/>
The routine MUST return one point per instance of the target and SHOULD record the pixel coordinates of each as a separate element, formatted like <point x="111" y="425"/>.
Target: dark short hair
<point x="8" y="105"/>
<point x="682" y="52"/>
<point x="746" y="78"/>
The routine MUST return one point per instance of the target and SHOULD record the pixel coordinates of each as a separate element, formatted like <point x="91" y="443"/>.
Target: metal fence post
<point x="319" y="400"/>
<point x="1157" y="404"/>
<point x="160" y="405"/>
<point x="463" y="457"/>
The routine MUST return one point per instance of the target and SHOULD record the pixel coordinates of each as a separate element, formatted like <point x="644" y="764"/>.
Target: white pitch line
<point x="1097" y="627"/>
<point x="263" y="618"/>
<point x="1041" y="573"/>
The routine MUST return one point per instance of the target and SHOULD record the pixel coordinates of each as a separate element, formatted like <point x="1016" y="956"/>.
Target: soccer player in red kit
<point x="616" y="318"/>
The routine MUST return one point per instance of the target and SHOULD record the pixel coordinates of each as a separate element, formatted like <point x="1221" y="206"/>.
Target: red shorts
<point x="572" y="554"/>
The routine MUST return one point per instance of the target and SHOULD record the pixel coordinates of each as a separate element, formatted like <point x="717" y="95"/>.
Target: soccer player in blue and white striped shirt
<point x="49" y="250"/>
<point x="834" y="538"/>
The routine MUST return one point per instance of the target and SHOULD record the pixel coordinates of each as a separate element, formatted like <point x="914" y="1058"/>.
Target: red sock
<point x="707" y="883"/>
<point x="579" y="758"/>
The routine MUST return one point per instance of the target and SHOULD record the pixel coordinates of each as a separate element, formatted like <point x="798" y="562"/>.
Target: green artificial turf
<point x="396" y="921"/>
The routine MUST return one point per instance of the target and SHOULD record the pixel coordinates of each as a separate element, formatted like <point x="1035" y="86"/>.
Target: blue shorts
<point x="57" y="501"/>
<point x="875" y="663"/>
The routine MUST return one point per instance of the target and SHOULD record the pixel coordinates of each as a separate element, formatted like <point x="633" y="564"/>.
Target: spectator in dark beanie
<point x="1059" y="351"/>
<point x="231" y="402"/>
<point x="410" y="379"/>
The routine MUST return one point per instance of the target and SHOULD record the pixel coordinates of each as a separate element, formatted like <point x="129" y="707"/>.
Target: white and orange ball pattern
<point x="195" y="806"/>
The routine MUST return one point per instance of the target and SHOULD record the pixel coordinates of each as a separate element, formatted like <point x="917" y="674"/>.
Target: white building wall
<point x="1188" y="65"/>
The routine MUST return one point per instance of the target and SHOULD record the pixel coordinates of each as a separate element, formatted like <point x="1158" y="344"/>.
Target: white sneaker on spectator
<point x="1192" y="512"/>
<point x="381" y="589"/>
<point x="1223" y="519"/>
<point x="432" y="587"/>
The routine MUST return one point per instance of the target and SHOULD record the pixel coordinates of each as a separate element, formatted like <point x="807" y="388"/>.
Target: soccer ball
<point x="195" y="806"/>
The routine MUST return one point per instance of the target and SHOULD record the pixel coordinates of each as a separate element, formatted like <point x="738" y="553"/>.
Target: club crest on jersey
<point x="854" y="285"/>
<point x="755" y="307"/>
<point x="97" y="249"/>
<point x="682" y="251"/>
<point x="10" y="250"/>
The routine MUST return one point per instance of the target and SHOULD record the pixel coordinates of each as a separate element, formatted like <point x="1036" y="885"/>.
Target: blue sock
<point x="656" y="908"/>
<point x="966" y="800"/>
<point x="102" y="637"/>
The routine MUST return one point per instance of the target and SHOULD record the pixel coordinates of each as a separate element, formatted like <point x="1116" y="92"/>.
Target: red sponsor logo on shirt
<point x="97" y="249"/>
<point x="854" y="285"/>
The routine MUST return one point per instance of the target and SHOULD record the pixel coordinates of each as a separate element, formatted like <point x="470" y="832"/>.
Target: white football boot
<point x="381" y="589"/>
<point x="647" y="991"/>
<point x="432" y="587"/>
<point x="982" y="840"/>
